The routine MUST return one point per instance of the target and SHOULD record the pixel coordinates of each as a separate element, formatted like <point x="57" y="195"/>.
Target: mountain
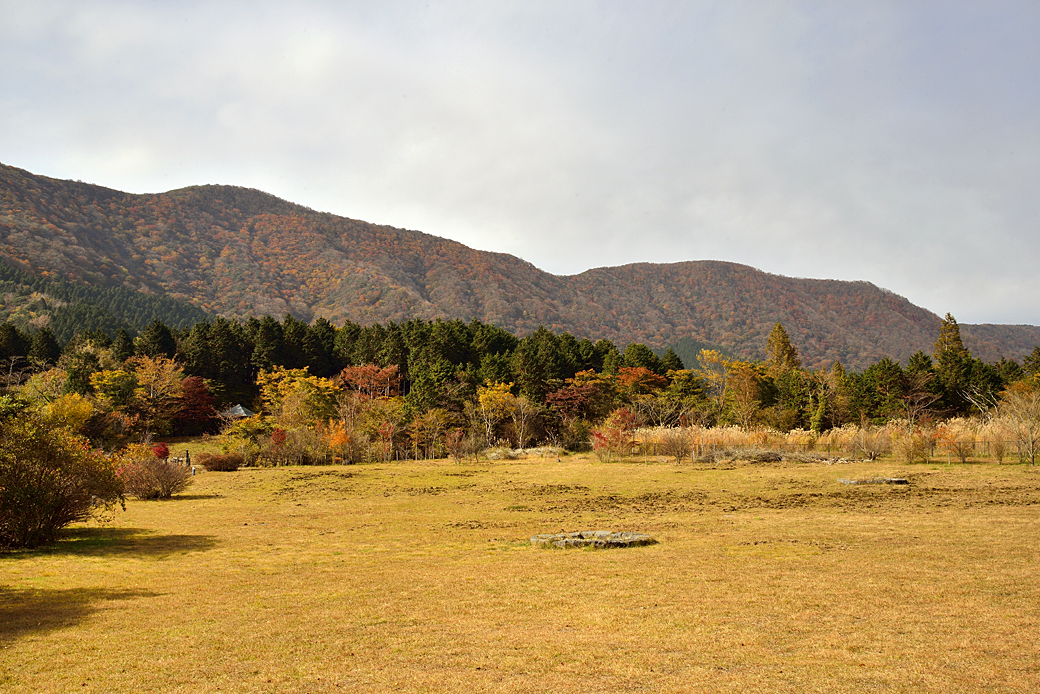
<point x="238" y="252"/>
<point x="67" y="308"/>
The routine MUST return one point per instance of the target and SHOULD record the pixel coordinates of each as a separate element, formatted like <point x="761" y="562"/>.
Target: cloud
<point x="867" y="141"/>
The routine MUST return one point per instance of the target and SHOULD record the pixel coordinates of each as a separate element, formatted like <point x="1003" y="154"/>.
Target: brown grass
<point x="419" y="577"/>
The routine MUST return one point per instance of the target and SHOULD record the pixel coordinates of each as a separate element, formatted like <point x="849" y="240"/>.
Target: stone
<point x="877" y="480"/>
<point x="598" y="539"/>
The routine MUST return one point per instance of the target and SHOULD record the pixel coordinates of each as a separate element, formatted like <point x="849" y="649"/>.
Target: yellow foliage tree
<point x="114" y="388"/>
<point x="157" y="391"/>
<point x="45" y="386"/>
<point x="494" y="403"/>
<point x="713" y="369"/>
<point x="71" y="410"/>
<point x="295" y="398"/>
<point x="381" y="419"/>
<point x="427" y="430"/>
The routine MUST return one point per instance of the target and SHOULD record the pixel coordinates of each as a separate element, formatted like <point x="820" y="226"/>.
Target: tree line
<point x="572" y="383"/>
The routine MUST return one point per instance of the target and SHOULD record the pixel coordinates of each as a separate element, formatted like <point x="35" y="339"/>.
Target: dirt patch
<point x="481" y="525"/>
<point x="421" y="491"/>
<point x="924" y="490"/>
<point x="778" y="548"/>
<point x="308" y="482"/>
<point x="553" y="489"/>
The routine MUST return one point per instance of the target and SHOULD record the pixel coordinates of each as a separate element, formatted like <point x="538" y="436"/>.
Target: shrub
<point x="761" y="456"/>
<point x="912" y="447"/>
<point x="221" y="462"/>
<point x="614" y="437"/>
<point x="870" y="443"/>
<point x="49" y="478"/>
<point x="676" y="443"/>
<point x="998" y="448"/>
<point x="575" y="434"/>
<point x="147" y="477"/>
<point x="545" y="452"/>
<point x="455" y="442"/>
<point x="248" y="450"/>
<point x="957" y="438"/>
<point x="716" y="455"/>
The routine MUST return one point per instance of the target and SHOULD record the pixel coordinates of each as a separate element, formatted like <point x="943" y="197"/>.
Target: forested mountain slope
<point x="67" y="308"/>
<point x="238" y="252"/>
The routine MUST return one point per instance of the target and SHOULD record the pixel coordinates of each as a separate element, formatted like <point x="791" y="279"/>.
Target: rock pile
<point x="600" y="539"/>
<point x="877" y="480"/>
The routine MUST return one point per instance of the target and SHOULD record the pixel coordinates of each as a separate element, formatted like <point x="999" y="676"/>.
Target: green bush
<point x="49" y="478"/>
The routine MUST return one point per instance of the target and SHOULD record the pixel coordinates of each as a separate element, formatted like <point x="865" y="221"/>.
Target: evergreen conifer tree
<point x="949" y="341"/>
<point x="13" y="342"/>
<point x="156" y="340"/>
<point x="44" y="348"/>
<point x="671" y="361"/>
<point x="1031" y="362"/>
<point x="952" y="366"/>
<point x="123" y="346"/>
<point x="782" y="356"/>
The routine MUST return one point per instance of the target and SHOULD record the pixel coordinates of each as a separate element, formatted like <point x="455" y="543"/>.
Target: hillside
<point x="238" y="252"/>
<point x="28" y="302"/>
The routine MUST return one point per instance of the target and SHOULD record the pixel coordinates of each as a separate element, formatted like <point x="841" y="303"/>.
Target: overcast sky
<point x="892" y="142"/>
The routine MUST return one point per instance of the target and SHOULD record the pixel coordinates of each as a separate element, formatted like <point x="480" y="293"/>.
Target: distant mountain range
<point x="238" y="252"/>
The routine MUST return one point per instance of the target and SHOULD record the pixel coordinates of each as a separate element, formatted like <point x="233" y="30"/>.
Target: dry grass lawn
<point x="419" y="577"/>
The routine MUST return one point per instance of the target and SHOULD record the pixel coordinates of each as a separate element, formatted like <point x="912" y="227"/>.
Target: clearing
<point x="419" y="576"/>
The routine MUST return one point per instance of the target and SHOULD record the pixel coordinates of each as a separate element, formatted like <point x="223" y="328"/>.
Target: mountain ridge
<point x="238" y="252"/>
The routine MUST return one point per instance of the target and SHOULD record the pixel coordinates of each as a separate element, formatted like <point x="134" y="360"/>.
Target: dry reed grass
<point x="419" y="577"/>
<point x="956" y="439"/>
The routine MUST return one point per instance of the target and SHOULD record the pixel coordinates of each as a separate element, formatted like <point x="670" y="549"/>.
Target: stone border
<point x="598" y="539"/>
<point x="877" y="480"/>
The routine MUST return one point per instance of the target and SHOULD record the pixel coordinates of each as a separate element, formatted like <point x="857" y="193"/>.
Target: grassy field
<point x="419" y="577"/>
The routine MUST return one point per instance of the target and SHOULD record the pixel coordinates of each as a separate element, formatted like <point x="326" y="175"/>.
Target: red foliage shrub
<point x="278" y="437"/>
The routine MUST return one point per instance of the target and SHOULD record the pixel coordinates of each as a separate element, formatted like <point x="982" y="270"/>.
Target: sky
<point x="893" y="142"/>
